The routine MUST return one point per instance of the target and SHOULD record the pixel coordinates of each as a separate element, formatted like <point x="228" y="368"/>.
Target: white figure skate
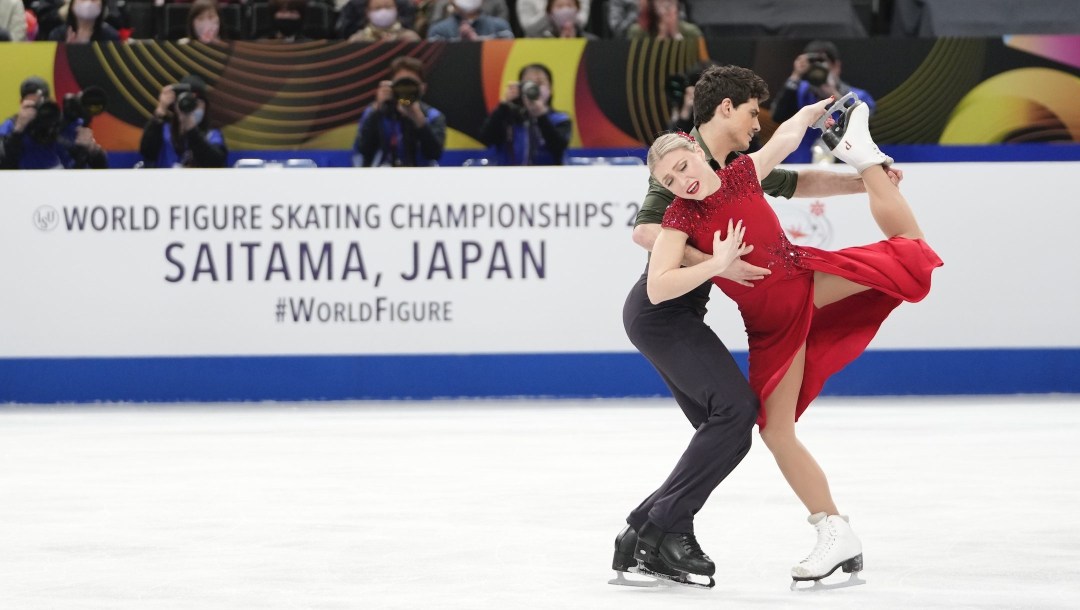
<point x="849" y="138"/>
<point x="837" y="547"/>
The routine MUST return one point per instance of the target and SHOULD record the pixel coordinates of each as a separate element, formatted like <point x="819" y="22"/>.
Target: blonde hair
<point x="665" y="144"/>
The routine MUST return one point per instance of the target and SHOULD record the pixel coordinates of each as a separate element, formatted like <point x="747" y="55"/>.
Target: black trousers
<point x="709" y="387"/>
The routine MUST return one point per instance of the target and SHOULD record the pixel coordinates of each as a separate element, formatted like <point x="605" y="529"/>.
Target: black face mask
<point x="288" y="27"/>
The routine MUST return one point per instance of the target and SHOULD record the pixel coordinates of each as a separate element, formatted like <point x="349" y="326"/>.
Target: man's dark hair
<point x="719" y="82"/>
<point x="825" y="48"/>
<point x="411" y="64"/>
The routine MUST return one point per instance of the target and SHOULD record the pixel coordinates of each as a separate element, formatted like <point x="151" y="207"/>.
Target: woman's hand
<point x="725" y="251"/>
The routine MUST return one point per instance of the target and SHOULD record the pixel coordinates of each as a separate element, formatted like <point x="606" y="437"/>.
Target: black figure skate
<point x="674" y="557"/>
<point x="849" y="137"/>
<point x="624" y="561"/>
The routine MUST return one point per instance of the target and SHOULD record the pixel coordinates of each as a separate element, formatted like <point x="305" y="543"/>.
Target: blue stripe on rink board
<point x="572" y="375"/>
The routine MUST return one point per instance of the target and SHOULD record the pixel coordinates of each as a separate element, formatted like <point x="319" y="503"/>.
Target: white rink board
<point x="1006" y="236"/>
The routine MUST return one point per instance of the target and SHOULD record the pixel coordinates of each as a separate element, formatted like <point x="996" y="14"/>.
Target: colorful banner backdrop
<point x="310" y="95"/>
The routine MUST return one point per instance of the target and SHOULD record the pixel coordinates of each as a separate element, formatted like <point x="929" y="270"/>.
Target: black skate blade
<point x="621" y="580"/>
<point x="837" y="106"/>
<point x="852" y="581"/>
<point x="682" y="578"/>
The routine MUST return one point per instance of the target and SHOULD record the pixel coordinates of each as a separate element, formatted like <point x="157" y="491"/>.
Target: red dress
<point x="779" y="311"/>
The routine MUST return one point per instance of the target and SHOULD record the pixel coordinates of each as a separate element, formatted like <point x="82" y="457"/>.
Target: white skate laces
<point x="837" y="545"/>
<point x="849" y="138"/>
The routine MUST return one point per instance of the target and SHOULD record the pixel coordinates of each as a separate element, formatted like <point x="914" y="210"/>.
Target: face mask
<point x="197" y="115"/>
<point x="287" y="27"/>
<point x="383" y="17"/>
<point x="87" y="11"/>
<point x="206" y="31"/>
<point x="564" y="15"/>
<point x="468" y="6"/>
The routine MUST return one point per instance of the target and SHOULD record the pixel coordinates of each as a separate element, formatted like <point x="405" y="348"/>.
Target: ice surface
<point x="960" y="503"/>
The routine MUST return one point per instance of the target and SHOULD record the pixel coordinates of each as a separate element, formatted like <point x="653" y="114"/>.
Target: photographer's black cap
<point x="32" y="85"/>
<point x="198" y="85"/>
<point x="823" y="46"/>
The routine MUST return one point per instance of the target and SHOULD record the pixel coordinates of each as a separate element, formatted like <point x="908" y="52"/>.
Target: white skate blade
<point x="622" y="580"/>
<point x="817" y="585"/>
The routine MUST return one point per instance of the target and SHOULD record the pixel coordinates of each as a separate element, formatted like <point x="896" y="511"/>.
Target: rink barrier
<point x="567" y="375"/>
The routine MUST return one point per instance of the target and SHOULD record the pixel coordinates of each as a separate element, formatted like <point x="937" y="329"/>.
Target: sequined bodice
<point x="739" y="198"/>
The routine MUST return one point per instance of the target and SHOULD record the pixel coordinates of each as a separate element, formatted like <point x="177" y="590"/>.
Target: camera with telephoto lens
<point x="405" y="91"/>
<point x="52" y="118"/>
<point x="186" y="99"/>
<point x="530" y="91"/>
<point x="675" y="87"/>
<point x="818" y="72"/>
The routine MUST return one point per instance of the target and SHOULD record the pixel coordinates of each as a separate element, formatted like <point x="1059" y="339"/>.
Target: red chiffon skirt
<point x="780" y="315"/>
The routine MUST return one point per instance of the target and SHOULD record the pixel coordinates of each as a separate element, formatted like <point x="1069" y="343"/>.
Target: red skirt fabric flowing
<point x="781" y="317"/>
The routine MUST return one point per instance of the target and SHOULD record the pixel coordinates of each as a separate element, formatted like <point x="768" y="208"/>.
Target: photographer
<point x="523" y="129"/>
<point x="45" y="136"/>
<point x="179" y="134"/>
<point x="398" y="129"/>
<point x="680" y="95"/>
<point x="815" y="76"/>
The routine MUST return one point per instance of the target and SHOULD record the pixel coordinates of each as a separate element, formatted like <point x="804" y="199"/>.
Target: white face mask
<point x="207" y="30"/>
<point x="468" y="6"/>
<point x="87" y="11"/>
<point x="383" y="17"/>
<point x="197" y="115"/>
<point x="564" y="15"/>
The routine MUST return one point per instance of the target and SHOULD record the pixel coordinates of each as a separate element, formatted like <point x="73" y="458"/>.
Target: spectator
<point x="287" y="20"/>
<point x="85" y="23"/>
<point x="399" y="129"/>
<point x="13" y="20"/>
<point x="663" y="20"/>
<point x="561" y="21"/>
<point x="523" y="129"/>
<point x="40" y="136"/>
<point x="383" y="24"/>
<point x="621" y="14"/>
<point x="352" y="16"/>
<point x="437" y="10"/>
<point x="535" y="17"/>
<point x="680" y="95"/>
<point x="815" y="76"/>
<point x="179" y="133"/>
<point x="469" y="22"/>
<point x="204" y="23"/>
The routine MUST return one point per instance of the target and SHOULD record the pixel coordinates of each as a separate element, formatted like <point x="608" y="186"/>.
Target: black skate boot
<point x="624" y="561"/>
<point x="676" y="552"/>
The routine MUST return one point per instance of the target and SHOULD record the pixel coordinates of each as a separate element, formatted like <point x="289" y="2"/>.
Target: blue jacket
<point x="484" y="25"/>
<point x="24" y="152"/>
<point x="197" y="148"/>
<point x="514" y="139"/>
<point x="388" y="139"/>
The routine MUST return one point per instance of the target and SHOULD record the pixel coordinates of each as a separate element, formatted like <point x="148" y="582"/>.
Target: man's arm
<point x="823" y="183"/>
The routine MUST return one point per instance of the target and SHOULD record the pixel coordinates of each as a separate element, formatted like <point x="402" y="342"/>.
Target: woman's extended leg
<point x="888" y="206"/>
<point x="803" y="474"/>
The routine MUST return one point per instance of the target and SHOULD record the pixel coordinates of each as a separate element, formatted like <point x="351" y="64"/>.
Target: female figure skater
<point x="818" y="309"/>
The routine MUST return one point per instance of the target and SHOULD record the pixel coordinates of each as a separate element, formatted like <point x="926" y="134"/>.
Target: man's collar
<point x="713" y="163"/>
